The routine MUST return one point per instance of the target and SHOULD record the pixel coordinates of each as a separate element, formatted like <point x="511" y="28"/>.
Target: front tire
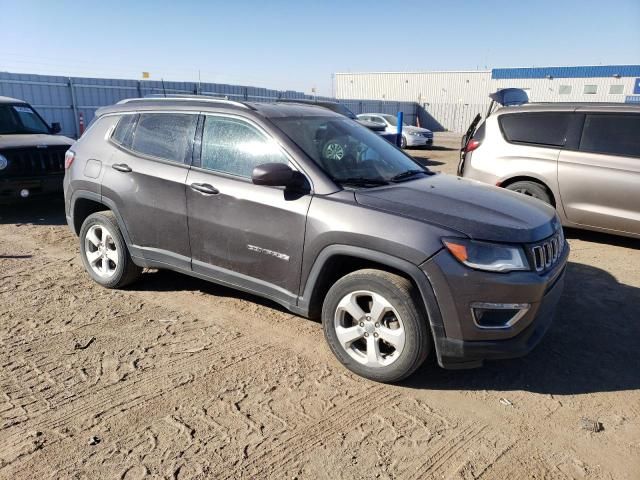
<point x="374" y="325"/>
<point x="403" y="142"/>
<point x="104" y="252"/>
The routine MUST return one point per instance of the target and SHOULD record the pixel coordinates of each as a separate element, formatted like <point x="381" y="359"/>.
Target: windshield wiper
<point x="408" y="174"/>
<point x="361" y="181"/>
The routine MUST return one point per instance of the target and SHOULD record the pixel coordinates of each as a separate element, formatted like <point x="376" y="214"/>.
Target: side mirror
<point x="55" y="128"/>
<point x="274" y="175"/>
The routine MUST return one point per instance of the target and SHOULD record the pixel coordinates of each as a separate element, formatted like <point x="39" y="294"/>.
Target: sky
<point x="298" y="45"/>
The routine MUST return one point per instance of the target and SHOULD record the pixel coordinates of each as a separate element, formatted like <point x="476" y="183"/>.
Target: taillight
<point x="472" y="145"/>
<point x="68" y="158"/>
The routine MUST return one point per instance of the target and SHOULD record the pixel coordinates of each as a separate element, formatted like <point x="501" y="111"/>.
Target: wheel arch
<point x="84" y="203"/>
<point x="529" y="178"/>
<point x="336" y="261"/>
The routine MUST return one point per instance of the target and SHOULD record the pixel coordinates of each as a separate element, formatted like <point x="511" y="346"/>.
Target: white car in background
<point x="411" y="136"/>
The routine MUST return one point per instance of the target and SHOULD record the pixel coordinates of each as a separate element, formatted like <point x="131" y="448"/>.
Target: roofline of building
<point x="412" y="73"/>
<point x="566" y="71"/>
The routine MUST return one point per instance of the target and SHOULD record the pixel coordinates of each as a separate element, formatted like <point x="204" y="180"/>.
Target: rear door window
<point x="168" y="136"/>
<point x="235" y="147"/>
<point x="544" y="129"/>
<point x="617" y="134"/>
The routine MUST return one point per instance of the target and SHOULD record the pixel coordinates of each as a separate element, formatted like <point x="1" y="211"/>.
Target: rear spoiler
<point x="507" y="97"/>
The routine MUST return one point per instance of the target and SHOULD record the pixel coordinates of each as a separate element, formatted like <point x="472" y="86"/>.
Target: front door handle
<point x="121" y="167"/>
<point x="204" y="188"/>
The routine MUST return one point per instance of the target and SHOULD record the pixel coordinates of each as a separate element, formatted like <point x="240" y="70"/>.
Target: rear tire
<point x="531" y="189"/>
<point x="104" y="252"/>
<point x="375" y="326"/>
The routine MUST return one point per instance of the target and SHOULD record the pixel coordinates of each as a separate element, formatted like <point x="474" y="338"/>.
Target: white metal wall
<point x="432" y="87"/>
<point x="450" y="100"/>
<point x="548" y="89"/>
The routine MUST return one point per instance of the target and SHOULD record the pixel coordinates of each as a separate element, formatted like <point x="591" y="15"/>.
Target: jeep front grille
<point x="33" y="161"/>
<point x="546" y="254"/>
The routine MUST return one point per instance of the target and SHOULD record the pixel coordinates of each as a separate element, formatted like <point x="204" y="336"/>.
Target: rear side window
<point x="233" y="146"/>
<point x="545" y="129"/>
<point x="611" y="134"/>
<point x="165" y="135"/>
<point x="123" y="134"/>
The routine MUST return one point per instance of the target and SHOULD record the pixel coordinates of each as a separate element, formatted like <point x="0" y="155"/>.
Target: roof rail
<point x="192" y="98"/>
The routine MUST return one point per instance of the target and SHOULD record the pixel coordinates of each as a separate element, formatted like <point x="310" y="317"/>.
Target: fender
<point x="408" y="268"/>
<point x="85" y="194"/>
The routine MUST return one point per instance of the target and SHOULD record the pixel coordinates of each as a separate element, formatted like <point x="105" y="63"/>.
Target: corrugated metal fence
<point x="63" y="99"/>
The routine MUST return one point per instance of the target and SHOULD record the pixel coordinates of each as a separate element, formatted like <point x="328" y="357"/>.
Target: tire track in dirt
<point x="448" y="451"/>
<point x="98" y="404"/>
<point x="284" y="451"/>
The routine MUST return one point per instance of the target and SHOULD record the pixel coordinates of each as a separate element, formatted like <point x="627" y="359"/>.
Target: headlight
<point x="492" y="257"/>
<point x="415" y="133"/>
<point x="3" y="162"/>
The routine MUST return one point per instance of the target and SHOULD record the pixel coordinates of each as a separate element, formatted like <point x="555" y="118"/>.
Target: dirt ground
<point x="178" y="378"/>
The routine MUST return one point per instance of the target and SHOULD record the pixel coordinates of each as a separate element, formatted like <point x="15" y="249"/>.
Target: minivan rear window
<point x="544" y="128"/>
<point x="617" y="134"/>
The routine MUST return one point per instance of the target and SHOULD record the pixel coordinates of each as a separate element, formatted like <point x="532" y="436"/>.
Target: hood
<point x="33" y="140"/>
<point x="410" y="128"/>
<point x="482" y="212"/>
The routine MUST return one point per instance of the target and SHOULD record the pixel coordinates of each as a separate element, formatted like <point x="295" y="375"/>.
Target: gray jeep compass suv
<point x="307" y="208"/>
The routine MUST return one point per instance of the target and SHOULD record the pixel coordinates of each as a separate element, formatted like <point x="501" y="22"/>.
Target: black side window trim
<point x="196" y="157"/>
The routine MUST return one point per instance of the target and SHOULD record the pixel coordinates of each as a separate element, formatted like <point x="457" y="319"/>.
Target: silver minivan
<point x="584" y="159"/>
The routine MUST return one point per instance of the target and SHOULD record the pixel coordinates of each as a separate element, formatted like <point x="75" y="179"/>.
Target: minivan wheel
<point x="374" y="325"/>
<point x="104" y="252"/>
<point x="532" y="189"/>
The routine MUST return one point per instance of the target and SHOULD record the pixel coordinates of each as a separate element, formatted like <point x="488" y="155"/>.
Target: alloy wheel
<point x="369" y="329"/>
<point x="101" y="251"/>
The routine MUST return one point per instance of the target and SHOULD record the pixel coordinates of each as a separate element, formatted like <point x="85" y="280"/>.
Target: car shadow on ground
<point x="602" y="238"/>
<point x="592" y="346"/>
<point x="442" y="148"/>
<point x="168" y="281"/>
<point x="39" y="211"/>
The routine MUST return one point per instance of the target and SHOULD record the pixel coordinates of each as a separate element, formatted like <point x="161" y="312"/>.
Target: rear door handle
<point x="121" y="167"/>
<point x="204" y="188"/>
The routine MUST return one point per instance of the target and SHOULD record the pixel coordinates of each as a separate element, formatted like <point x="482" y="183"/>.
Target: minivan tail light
<point x="472" y="145"/>
<point x="69" y="156"/>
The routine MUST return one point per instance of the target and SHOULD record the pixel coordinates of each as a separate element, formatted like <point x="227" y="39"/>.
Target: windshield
<point x="348" y="152"/>
<point x="393" y="120"/>
<point x="20" y="119"/>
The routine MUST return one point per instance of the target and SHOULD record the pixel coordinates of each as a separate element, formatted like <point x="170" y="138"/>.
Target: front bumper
<point x="459" y="341"/>
<point x="418" y="141"/>
<point x="10" y="188"/>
